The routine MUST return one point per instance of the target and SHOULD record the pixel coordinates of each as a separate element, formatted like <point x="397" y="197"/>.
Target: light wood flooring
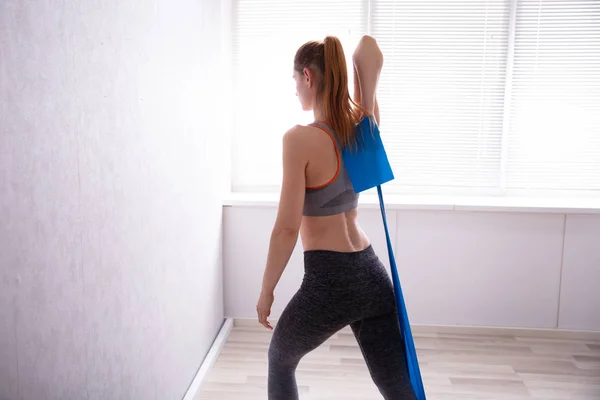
<point x="455" y="366"/>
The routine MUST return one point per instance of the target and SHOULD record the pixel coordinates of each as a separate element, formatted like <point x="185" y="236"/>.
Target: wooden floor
<point x="455" y="366"/>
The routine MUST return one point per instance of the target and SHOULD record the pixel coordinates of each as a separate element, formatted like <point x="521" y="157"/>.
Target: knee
<point x="280" y="356"/>
<point x="273" y="353"/>
<point x="277" y="354"/>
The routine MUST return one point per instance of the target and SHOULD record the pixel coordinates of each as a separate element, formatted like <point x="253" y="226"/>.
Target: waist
<point x="340" y="233"/>
<point x="331" y="259"/>
<point x="349" y="271"/>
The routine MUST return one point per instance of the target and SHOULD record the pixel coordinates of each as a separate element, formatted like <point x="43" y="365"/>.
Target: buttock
<point x="354" y="283"/>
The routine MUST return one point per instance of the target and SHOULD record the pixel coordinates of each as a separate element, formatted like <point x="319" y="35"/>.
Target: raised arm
<point x="368" y="61"/>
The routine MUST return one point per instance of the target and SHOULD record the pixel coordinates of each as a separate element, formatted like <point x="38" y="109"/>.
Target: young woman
<point x="344" y="283"/>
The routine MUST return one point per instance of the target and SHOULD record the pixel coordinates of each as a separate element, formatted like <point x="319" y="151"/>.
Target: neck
<point x="319" y="115"/>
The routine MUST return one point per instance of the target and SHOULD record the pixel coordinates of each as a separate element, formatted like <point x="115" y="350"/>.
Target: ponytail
<point x="342" y="114"/>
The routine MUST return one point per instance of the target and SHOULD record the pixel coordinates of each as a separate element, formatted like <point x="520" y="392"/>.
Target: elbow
<point x="368" y="40"/>
<point x="286" y="233"/>
<point x="368" y="52"/>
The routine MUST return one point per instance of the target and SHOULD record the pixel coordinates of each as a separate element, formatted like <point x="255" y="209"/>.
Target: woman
<point x="344" y="283"/>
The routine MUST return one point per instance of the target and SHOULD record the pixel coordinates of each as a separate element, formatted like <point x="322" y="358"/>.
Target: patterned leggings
<point x="341" y="289"/>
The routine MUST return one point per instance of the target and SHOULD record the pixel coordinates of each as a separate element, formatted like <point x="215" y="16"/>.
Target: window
<point x="441" y="92"/>
<point x="265" y="36"/>
<point x="476" y="97"/>
<point x="553" y="137"/>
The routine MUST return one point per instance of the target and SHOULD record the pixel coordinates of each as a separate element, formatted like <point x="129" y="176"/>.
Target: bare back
<point x="339" y="232"/>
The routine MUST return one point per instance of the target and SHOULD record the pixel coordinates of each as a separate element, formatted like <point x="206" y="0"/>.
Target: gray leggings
<point x="341" y="289"/>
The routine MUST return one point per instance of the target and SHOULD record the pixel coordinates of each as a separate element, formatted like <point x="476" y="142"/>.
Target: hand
<point x="263" y="309"/>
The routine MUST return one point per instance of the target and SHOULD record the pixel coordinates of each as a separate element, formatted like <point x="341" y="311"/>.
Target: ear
<point x="308" y="76"/>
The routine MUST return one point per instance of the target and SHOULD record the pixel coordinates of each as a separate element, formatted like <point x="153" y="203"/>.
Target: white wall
<point x="110" y="210"/>
<point x="456" y="267"/>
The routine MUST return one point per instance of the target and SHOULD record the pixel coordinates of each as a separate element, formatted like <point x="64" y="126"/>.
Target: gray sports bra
<point x="337" y="195"/>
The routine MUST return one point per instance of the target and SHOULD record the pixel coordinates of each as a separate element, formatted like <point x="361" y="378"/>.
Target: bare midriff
<point x="339" y="232"/>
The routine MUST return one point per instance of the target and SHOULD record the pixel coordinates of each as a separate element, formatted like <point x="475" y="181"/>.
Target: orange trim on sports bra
<point x="337" y="155"/>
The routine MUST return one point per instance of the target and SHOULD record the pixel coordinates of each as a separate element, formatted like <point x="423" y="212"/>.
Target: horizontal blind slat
<point x="554" y="135"/>
<point x="442" y="90"/>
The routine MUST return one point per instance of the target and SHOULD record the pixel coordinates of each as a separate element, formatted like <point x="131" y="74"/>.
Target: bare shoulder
<point x="294" y="133"/>
<point x="296" y="143"/>
<point x="299" y="136"/>
<point x="298" y="130"/>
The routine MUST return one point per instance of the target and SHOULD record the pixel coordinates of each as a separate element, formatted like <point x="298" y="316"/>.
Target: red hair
<point x="327" y="57"/>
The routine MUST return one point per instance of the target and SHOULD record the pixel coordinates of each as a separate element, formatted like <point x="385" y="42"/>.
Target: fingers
<point x="262" y="319"/>
<point x="260" y="316"/>
<point x="267" y="325"/>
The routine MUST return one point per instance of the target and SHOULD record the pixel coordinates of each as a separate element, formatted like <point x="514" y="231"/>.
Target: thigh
<point x="303" y="326"/>
<point x="382" y="345"/>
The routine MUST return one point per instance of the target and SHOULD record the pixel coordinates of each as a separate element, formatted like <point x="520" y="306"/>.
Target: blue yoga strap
<point x="368" y="167"/>
<point x="412" y="362"/>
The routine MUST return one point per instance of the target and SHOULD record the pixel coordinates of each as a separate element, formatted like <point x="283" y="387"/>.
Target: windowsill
<point x="444" y="203"/>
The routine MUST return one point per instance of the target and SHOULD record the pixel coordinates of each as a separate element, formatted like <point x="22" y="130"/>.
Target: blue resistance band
<point x="368" y="167"/>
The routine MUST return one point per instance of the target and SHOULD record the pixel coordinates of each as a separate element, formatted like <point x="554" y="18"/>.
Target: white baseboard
<point x="210" y="360"/>
<point x="547" y="333"/>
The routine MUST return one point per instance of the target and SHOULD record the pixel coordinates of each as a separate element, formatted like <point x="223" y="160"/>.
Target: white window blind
<point x="265" y="36"/>
<point x="553" y="140"/>
<point x="441" y="91"/>
<point x="476" y="96"/>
